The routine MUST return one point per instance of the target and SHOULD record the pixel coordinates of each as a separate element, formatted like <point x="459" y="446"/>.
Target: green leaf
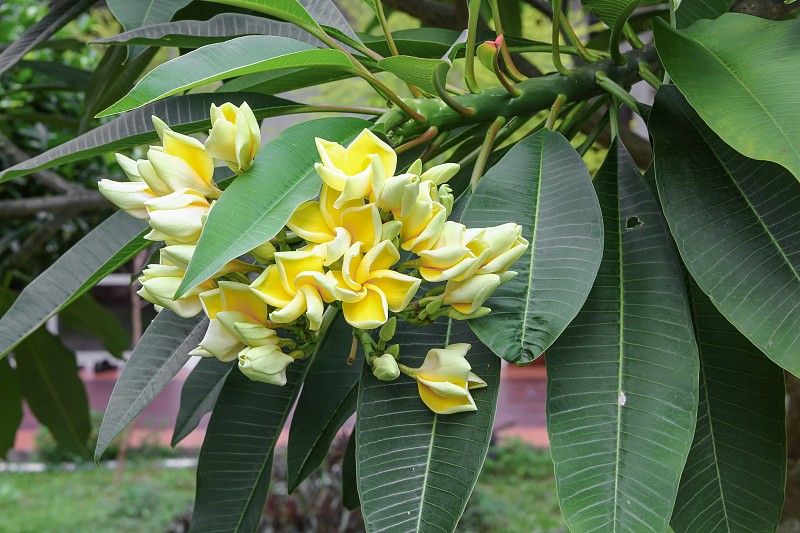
<point x="11" y="400"/>
<point x="694" y="10"/>
<point x="736" y="471"/>
<point x="244" y="55"/>
<point x="735" y="221"/>
<point x="543" y="185"/>
<point x="622" y="378"/>
<point x="111" y="80"/>
<point x="424" y="73"/>
<point x="349" y="479"/>
<point x="161" y="353"/>
<point x="197" y="33"/>
<point x="184" y="114"/>
<point x="311" y="15"/>
<point x="284" y="80"/>
<point x="101" y="252"/>
<point x="615" y="12"/>
<point x="41" y="31"/>
<point x="260" y="201"/>
<point x="70" y="77"/>
<point x="416" y="469"/>
<point x="233" y="471"/>
<point x="416" y="42"/>
<point x="48" y="378"/>
<point x="199" y="395"/>
<point x="327" y="401"/>
<point x="758" y="71"/>
<point x="144" y="13"/>
<point x="87" y="316"/>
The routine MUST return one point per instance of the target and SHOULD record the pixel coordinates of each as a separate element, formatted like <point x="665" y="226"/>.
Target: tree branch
<point x="70" y="204"/>
<point x="48" y="178"/>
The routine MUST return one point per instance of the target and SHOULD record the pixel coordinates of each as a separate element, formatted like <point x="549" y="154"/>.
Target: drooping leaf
<point x="111" y="80"/>
<point x="101" y="252"/>
<point x="736" y="471"/>
<point x="48" y="378"/>
<point x="758" y="71"/>
<point x="429" y="43"/>
<point x="243" y="55"/>
<point x="694" y="10"/>
<point x="87" y="316"/>
<point x="161" y="353"/>
<point x="281" y="178"/>
<point x="199" y="395"/>
<point x="41" y="31"/>
<point x="327" y="401"/>
<point x="735" y="221"/>
<point x="233" y="471"/>
<point x="197" y="33"/>
<point x="134" y="15"/>
<point x="416" y="469"/>
<point x="349" y="478"/>
<point x="622" y="378"/>
<point x="543" y="185"/>
<point x="11" y="400"/>
<point x="311" y="15"/>
<point x="184" y="114"/>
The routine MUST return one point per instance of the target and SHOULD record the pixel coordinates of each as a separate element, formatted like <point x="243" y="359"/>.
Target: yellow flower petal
<point x="307" y="222"/>
<point x="332" y="154"/>
<point x="292" y="311"/>
<point x="350" y="263"/>
<point x="366" y="144"/>
<point x="368" y="313"/>
<point x="314" y="306"/>
<point x="220" y="342"/>
<point x="190" y="150"/>
<point x="269" y="288"/>
<point x="380" y="257"/>
<point x="445" y="405"/>
<point x="238" y="297"/>
<point x="212" y="302"/>
<point x="363" y="223"/>
<point x="399" y="289"/>
<point x="290" y="264"/>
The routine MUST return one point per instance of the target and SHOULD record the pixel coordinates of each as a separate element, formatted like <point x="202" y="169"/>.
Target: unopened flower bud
<point x="265" y="363"/>
<point x="393" y="350"/>
<point x="387" y="331"/>
<point x="440" y="174"/>
<point x="234" y="136"/>
<point x="385" y="368"/>
<point x="507" y="276"/>
<point x="433" y="306"/>
<point x="446" y="198"/>
<point x="391" y="230"/>
<point x="263" y="253"/>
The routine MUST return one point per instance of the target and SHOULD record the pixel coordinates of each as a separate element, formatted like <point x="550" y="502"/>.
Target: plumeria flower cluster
<point x="366" y="245"/>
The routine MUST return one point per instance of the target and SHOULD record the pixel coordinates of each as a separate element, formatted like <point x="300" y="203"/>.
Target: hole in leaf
<point x="633" y="223"/>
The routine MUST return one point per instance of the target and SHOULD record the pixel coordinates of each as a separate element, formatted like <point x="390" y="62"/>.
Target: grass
<point x="515" y="494"/>
<point x="147" y="500"/>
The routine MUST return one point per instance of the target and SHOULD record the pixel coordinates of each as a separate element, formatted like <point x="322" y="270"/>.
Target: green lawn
<point x="515" y="494"/>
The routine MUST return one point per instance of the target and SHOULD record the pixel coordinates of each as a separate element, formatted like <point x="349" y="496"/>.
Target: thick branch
<point x="72" y="203"/>
<point x="536" y="94"/>
<point x="48" y="178"/>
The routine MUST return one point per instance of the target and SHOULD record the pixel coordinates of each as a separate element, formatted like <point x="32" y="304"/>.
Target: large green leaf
<point x="143" y="13"/>
<point x="350" y="498"/>
<point x="101" y="252"/>
<point x="736" y="471"/>
<point x="424" y="73"/>
<point x="260" y="201"/>
<point x="311" y="15"/>
<point x="543" y="185"/>
<point x="416" y="469"/>
<point x="417" y="42"/>
<point x="327" y="401"/>
<point x="41" y="31"/>
<point x="755" y="63"/>
<point x="233" y="471"/>
<point x="735" y="221"/>
<point x="185" y="114"/>
<point x="615" y="12"/>
<point x="243" y="55"/>
<point x="275" y="82"/>
<point x="87" y="316"/>
<point x="11" y="400"/>
<point x="199" y="395"/>
<point x="196" y="33"/>
<point x="161" y="353"/>
<point x="694" y="10"/>
<point x="48" y="377"/>
<point x="622" y="378"/>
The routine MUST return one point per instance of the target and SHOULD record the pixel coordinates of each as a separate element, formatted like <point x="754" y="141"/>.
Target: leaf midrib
<point x="621" y="354"/>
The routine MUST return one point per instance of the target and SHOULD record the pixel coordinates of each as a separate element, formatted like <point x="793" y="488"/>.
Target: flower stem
<point x="557" y="37"/>
<point x="486" y="149"/>
<point x="422" y="139"/>
<point x="561" y="99"/>
<point x="472" y="30"/>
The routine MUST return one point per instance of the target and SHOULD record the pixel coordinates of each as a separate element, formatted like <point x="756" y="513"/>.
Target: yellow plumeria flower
<point x="334" y="229"/>
<point x="368" y="289"/>
<point x="454" y="255"/>
<point x="445" y="379"/>
<point x="234" y="136"/>
<point x="177" y="217"/>
<point x="181" y="163"/>
<point x="129" y="196"/>
<point x="469" y="295"/>
<point x="425" y="220"/>
<point x="228" y="308"/>
<point x="357" y="171"/>
<point x="265" y="363"/>
<point x="506" y="245"/>
<point x="295" y="284"/>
